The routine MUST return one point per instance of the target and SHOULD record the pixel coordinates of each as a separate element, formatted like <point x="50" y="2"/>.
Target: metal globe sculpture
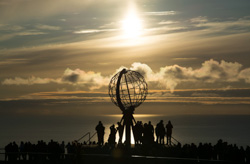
<point x="128" y="90"/>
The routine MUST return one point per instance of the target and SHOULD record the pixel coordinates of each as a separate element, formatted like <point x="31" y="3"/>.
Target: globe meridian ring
<point x="133" y="89"/>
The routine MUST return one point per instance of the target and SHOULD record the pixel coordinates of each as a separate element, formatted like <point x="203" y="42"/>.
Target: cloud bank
<point x="211" y="71"/>
<point x="168" y="77"/>
<point x="78" y="77"/>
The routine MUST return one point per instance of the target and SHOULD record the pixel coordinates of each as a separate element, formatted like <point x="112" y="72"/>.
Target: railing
<point x="92" y="136"/>
<point x="83" y="136"/>
<point x="176" y="141"/>
<point x="87" y="134"/>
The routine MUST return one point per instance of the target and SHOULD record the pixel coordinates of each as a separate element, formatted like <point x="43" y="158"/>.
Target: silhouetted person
<point x="248" y="154"/>
<point x="120" y="129"/>
<point x="169" y="128"/>
<point x="145" y="134"/>
<point x="150" y="132"/>
<point x="100" y="133"/>
<point x="28" y="148"/>
<point x="15" y="151"/>
<point x="69" y="148"/>
<point x="137" y="133"/>
<point x="112" y="134"/>
<point x="7" y="151"/>
<point x="62" y="148"/>
<point x="22" y="151"/>
<point x="140" y="132"/>
<point x="160" y="132"/>
<point x="157" y="132"/>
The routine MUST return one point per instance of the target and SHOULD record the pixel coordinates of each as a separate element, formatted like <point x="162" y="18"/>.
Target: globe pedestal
<point x="128" y="120"/>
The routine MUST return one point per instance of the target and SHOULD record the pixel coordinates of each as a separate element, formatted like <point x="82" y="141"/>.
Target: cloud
<point x="199" y="19"/>
<point x="224" y="26"/>
<point x="205" y="26"/>
<point x="30" y="32"/>
<point x="168" y="77"/>
<point x="25" y="9"/>
<point x="9" y="31"/>
<point x="13" y="61"/>
<point x="21" y="33"/>
<point x="161" y="13"/>
<point x="185" y="59"/>
<point x="73" y="77"/>
<point x="143" y="69"/>
<point x="245" y="75"/>
<point x="195" y="94"/>
<point x="9" y="27"/>
<point x="89" y="31"/>
<point x="28" y="81"/>
<point x="233" y="96"/>
<point x="62" y="20"/>
<point x="47" y="27"/>
<point x="80" y="77"/>
<point x="90" y="96"/>
<point x="211" y="71"/>
<point x="168" y="22"/>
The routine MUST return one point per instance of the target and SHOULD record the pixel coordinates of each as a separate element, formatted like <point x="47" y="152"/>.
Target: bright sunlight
<point x="132" y="25"/>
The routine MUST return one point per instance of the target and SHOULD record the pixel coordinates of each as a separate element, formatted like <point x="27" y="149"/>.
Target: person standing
<point x="100" y="129"/>
<point x="140" y="132"/>
<point x="160" y="132"/>
<point x="112" y="135"/>
<point x="151" y="132"/>
<point x="169" y="128"/>
<point x="120" y="129"/>
<point x="136" y="131"/>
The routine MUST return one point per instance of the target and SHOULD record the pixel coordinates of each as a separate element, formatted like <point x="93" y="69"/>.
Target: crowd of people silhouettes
<point x="28" y="151"/>
<point x="143" y="133"/>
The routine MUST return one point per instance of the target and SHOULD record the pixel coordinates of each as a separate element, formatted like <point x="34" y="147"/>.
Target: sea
<point x="234" y="129"/>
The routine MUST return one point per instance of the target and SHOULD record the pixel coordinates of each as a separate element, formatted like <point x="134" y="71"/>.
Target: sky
<point x="57" y="57"/>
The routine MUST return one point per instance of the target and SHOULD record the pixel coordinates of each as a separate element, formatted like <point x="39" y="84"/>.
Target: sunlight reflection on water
<point x="135" y="115"/>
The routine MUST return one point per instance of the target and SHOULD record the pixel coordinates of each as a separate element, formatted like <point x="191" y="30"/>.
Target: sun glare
<point x="132" y="25"/>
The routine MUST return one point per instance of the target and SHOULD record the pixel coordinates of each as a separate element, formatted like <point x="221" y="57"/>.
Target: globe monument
<point x="128" y="90"/>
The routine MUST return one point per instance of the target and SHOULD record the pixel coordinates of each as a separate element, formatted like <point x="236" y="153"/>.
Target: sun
<point x="132" y="25"/>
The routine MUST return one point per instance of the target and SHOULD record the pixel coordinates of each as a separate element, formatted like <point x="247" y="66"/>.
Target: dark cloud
<point x="73" y="78"/>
